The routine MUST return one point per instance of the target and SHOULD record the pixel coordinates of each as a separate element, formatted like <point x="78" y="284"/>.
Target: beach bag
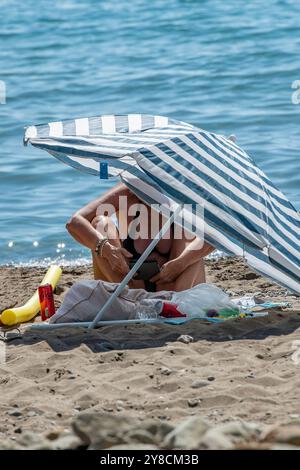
<point x="85" y="298"/>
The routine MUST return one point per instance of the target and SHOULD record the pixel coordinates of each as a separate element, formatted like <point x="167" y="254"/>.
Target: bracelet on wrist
<point x="99" y="247"/>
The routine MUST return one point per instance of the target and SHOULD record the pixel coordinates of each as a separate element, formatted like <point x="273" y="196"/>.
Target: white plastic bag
<point x="200" y="299"/>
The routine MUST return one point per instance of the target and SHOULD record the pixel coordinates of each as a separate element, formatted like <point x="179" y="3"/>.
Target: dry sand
<point x="240" y="369"/>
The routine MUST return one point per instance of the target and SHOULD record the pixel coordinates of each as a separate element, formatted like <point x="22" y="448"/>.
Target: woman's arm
<point x="80" y="225"/>
<point x="193" y="252"/>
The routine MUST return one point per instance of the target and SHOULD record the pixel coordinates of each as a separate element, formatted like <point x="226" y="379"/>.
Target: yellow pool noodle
<point x="12" y="316"/>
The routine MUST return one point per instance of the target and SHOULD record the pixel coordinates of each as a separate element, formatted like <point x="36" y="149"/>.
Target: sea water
<point x="227" y="67"/>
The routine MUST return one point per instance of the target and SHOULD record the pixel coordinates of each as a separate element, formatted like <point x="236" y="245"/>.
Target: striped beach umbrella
<point x="166" y="161"/>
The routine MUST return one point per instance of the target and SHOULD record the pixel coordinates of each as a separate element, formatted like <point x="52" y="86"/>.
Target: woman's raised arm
<point x="80" y="225"/>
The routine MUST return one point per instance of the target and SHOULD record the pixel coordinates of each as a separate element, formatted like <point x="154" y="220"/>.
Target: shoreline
<point x="76" y="262"/>
<point x="241" y="370"/>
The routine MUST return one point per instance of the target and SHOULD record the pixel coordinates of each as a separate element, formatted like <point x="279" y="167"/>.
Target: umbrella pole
<point x="135" y="268"/>
<point x="134" y="321"/>
<point x="97" y="320"/>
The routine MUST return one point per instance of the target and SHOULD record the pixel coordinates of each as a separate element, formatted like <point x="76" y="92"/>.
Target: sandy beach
<point x="194" y="108"/>
<point x="240" y="371"/>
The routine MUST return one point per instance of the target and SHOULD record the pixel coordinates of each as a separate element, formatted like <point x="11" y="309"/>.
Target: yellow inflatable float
<point x="12" y="316"/>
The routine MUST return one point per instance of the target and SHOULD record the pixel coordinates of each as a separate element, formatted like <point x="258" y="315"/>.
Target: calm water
<point x="225" y="66"/>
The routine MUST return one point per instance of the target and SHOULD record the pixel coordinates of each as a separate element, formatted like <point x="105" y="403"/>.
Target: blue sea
<point x="227" y="66"/>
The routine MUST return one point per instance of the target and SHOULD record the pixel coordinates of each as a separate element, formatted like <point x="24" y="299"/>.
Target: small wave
<point x="216" y="255"/>
<point x="71" y="263"/>
<point x="46" y="262"/>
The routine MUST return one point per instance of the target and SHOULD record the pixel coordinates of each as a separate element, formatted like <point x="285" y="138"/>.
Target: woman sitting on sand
<point x="180" y="261"/>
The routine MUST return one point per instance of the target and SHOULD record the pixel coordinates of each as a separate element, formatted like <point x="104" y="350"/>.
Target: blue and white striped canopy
<point x="163" y="160"/>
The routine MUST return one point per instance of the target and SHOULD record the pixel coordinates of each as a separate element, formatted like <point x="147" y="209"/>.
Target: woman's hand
<point x="160" y="259"/>
<point x="117" y="257"/>
<point x="169" y="271"/>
